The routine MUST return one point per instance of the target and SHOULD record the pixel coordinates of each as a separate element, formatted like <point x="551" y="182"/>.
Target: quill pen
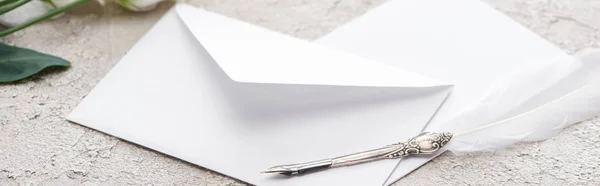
<point x="531" y="104"/>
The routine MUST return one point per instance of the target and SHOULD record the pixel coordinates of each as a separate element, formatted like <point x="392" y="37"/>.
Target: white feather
<point x="532" y="104"/>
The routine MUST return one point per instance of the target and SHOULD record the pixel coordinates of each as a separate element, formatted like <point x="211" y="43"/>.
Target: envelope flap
<point x="249" y="53"/>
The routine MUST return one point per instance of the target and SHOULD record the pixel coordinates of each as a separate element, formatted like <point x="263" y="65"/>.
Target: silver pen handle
<point x="424" y="143"/>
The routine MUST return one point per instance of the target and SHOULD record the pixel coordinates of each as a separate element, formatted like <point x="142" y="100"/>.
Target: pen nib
<point x="300" y="168"/>
<point x="280" y="170"/>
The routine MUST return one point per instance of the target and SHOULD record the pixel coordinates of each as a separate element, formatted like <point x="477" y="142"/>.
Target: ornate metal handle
<point x="424" y="143"/>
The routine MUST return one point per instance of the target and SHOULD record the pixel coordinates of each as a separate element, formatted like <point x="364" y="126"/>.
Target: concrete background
<point x="38" y="147"/>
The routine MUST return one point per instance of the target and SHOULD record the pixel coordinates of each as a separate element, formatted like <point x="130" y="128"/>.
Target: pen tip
<point x="276" y="169"/>
<point x="268" y="171"/>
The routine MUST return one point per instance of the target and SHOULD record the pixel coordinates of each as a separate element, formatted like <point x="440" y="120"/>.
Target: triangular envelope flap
<point x="249" y="53"/>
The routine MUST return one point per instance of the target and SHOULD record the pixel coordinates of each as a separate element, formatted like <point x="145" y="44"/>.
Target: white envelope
<point x="464" y="42"/>
<point x="237" y="99"/>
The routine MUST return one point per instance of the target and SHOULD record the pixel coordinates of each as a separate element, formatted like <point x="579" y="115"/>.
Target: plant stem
<point x="12" y="6"/>
<point x="43" y="17"/>
<point x="51" y="3"/>
<point x="5" y="2"/>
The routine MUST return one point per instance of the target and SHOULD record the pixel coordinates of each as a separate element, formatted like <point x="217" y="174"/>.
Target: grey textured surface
<point x="38" y="147"/>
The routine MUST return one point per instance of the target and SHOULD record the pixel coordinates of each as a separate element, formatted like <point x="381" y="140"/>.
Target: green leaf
<point x="18" y="63"/>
